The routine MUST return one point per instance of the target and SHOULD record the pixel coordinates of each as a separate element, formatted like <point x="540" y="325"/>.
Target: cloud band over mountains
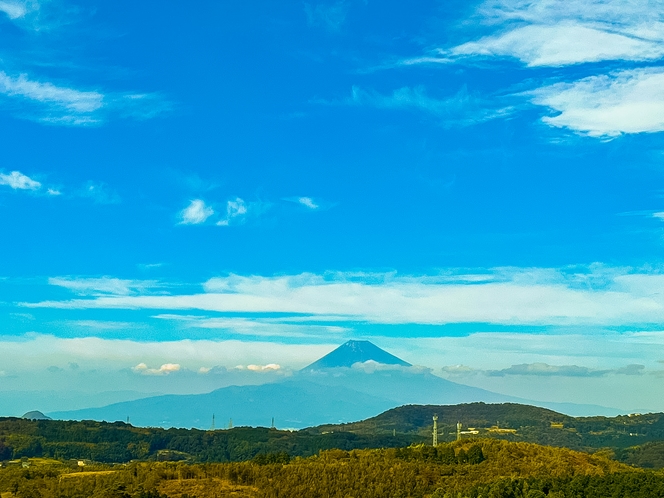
<point x="599" y="297"/>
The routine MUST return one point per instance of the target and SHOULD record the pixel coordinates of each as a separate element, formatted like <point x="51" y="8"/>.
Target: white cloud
<point x="259" y="327"/>
<point x="165" y="369"/>
<point x="14" y="10"/>
<point x="102" y="286"/>
<point x="630" y="101"/>
<point x="598" y="296"/>
<point x="103" y="325"/>
<point x="544" y="369"/>
<point x="308" y="202"/>
<point x="560" y="45"/>
<point x="554" y="33"/>
<point x="61" y="105"/>
<point x="52" y="191"/>
<point x="264" y="368"/>
<point x="462" y="108"/>
<point x="659" y="215"/>
<point x="19" y="181"/>
<point x="33" y="351"/>
<point x="58" y="104"/>
<point x="196" y="213"/>
<point x="105" y="364"/>
<point x="234" y="208"/>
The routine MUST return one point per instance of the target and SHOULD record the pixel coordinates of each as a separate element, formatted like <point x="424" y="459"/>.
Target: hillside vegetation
<point x="636" y="440"/>
<point x="465" y="469"/>
<point x="119" y="442"/>
<point x="517" y="422"/>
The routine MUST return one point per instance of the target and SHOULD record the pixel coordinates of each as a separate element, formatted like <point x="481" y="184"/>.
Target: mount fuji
<point x="356" y="381"/>
<point x="352" y="352"/>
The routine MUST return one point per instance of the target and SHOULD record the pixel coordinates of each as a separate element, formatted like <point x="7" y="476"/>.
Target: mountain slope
<point x="353" y="352"/>
<point x="359" y="381"/>
<point x="294" y="404"/>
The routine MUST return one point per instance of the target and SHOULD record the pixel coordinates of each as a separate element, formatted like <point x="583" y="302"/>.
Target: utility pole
<point x="212" y="426"/>
<point x="272" y="426"/>
<point x="435" y="431"/>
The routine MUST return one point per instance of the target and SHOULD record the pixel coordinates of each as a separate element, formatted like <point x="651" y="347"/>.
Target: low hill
<point x="514" y="422"/>
<point x="414" y="418"/>
<point x="35" y="415"/>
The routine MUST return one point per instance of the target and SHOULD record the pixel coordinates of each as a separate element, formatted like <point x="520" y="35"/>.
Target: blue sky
<point x="476" y="186"/>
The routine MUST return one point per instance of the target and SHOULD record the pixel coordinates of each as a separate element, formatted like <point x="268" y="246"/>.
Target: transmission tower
<point x="435" y="430"/>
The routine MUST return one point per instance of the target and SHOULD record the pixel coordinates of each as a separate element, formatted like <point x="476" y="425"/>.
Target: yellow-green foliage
<point x="499" y="469"/>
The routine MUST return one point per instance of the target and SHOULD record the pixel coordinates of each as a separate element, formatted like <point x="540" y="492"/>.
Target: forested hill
<point x="120" y="442"/>
<point x="463" y="469"/>
<point x="514" y="422"/>
<point x="636" y="439"/>
<point x="414" y="418"/>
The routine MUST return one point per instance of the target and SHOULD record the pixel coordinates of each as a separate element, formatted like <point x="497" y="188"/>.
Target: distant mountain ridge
<point x="352" y="352"/>
<point x="337" y="388"/>
<point x="35" y="415"/>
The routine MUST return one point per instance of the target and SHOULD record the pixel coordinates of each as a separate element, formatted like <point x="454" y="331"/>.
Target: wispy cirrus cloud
<point x="257" y="327"/>
<point x="49" y="103"/>
<point x="629" y="101"/>
<point x="462" y="108"/>
<point x="552" y="33"/>
<point x="16" y="10"/>
<point x="308" y="202"/>
<point x="559" y="45"/>
<point x="599" y="297"/>
<point x="330" y="16"/>
<point x="100" y="286"/>
<point x="543" y="370"/>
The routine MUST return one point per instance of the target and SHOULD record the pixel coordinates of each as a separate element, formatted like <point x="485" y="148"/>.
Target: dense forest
<point x="482" y="468"/>
<point x="635" y="439"/>
<point x="515" y="422"/>
<point x="119" y="442"/>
